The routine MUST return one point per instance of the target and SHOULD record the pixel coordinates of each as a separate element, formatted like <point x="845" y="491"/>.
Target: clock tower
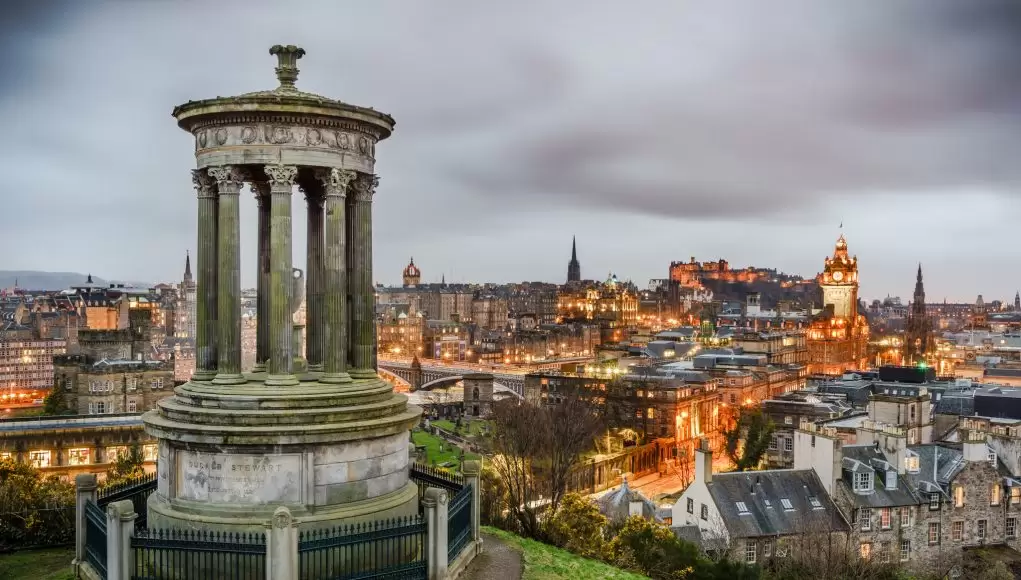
<point x="837" y="336"/>
<point x="839" y="282"/>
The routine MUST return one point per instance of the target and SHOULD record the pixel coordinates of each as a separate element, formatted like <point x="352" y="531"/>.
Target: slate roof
<point x="772" y="519"/>
<point x="690" y="533"/>
<point x="616" y="505"/>
<point x="948" y="462"/>
<point x="858" y="457"/>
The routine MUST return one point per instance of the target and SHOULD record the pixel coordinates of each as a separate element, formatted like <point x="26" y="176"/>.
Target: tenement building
<point x="838" y="336"/>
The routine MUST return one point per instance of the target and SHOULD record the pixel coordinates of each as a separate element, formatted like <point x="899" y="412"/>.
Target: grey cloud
<point x="750" y="115"/>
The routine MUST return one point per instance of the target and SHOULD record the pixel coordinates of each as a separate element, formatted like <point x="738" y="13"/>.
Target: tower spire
<point x="574" y="248"/>
<point x="574" y="267"/>
<point x="187" y="266"/>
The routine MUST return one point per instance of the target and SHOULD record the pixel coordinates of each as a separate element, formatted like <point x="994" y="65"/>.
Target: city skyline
<point x="754" y="150"/>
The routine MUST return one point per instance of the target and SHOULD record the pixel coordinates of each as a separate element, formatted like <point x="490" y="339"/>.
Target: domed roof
<point x="412" y="270"/>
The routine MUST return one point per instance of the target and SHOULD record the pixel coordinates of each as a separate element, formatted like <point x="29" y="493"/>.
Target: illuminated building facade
<point x="613" y="304"/>
<point x="411" y="275"/>
<point x="918" y="341"/>
<point x="838" y="337"/>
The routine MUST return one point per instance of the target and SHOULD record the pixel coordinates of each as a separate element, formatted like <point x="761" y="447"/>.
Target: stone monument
<point x="330" y="443"/>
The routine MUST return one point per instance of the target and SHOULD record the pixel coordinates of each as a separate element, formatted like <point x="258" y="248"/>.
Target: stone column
<point x="314" y="280"/>
<point x="85" y="489"/>
<point x="262" y="196"/>
<point x="435" y="503"/>
<point x="120" y="528"/>
<point x="282" y="546"/>
<point x="229" y="181"/>
<point x="471" y="470"/>
<point x="281" y="182"/>
<point x="360" y="267"/>
<point x="335" y="183"/>
<point x="205" y="290"/>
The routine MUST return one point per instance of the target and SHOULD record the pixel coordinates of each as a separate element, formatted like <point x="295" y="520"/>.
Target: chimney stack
<point x="703" y="462"/>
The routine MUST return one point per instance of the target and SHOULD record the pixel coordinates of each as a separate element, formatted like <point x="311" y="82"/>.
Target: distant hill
<point x="36" y="280"/>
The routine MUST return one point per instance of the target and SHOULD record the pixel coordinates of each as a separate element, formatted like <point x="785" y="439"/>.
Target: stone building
<point x="918" y="339"/>
<point x="489" y="312"/>
<point x="478" y="394"/>
<point x="69" y="446"/>
<point x="184" y="324"/>
<point x="838" y="336"/>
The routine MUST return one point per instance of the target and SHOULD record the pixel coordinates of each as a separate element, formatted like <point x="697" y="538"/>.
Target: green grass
<point x="475" y="428"/>
<point x="48" y="564"/>
<point x="544" y="562"/>
<point x="451" y="453"/>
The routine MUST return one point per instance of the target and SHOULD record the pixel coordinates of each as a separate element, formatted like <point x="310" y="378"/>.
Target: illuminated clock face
<point x="838" y="276"/>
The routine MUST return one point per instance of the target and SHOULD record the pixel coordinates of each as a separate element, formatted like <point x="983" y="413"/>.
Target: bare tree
<point x="536" y="449"/>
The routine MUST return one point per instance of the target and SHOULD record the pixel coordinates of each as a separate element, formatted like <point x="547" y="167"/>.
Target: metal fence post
<point x="471" y="471"/>
<point x="435" y="503"/>
<point x="120" y="528"/>
<point x="282" y="546"/>
<point x="85" y="489"/>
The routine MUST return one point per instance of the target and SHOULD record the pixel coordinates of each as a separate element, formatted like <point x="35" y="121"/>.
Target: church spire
<point x="187" y="266"/>
<point x="574" y="267"/>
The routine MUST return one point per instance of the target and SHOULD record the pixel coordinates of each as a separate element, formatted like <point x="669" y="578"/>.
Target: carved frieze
<point x="349" y="142"/>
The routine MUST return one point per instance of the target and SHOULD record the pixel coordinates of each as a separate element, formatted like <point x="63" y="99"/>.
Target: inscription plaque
<point x="239" y="478"/>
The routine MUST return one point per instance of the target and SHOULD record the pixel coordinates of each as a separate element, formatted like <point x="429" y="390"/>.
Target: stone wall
<point x="359" y="470"/>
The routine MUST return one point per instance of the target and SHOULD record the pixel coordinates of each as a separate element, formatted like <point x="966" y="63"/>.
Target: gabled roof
<point x="857" y="458"/>
<point x="762" y="493"/>
<point x="616" y="505"/>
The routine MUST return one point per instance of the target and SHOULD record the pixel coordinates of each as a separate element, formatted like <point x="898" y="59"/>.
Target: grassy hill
<point x="544" y="562"/>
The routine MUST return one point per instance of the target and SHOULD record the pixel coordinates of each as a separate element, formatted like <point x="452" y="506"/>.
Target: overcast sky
<point x="654" y="131"/>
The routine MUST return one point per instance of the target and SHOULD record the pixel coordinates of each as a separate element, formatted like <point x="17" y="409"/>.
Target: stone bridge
<point x="446" y="375"/>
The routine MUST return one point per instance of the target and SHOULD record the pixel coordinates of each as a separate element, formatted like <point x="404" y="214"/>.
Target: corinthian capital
<point x="335" y="181"/>
<point x="205" y="186"/>
<point x="229" y="178"/>
<point x="365" y="186"/>
<point x="281" y="177"/>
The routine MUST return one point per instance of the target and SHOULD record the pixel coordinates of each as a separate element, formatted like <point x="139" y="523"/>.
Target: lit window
<point x="933" y="533"/>
<point x="115" y="453"/>
<point x="994" y="494"/>
<point x="905" y="550"/>
<point x="78" y="456"/>
<point x="1015" y="495"/>
<point x="958" y="496"/>
<point x="742" y="508"/>
<point x="865" y="550"/>
<point x="39" y="458"/>
<point x="786" y="503"/>
<point x="6" y="455"/>
<point x="957" y="531"/>
<point x="981" y="529"/>
<point x="149" y="452"/>
<point x="1011" y="527"/>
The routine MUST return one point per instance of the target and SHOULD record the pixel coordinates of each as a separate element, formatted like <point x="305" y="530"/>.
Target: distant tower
<point x="918" y="339"/>
<point x="1017" y="301"/>
<point x="412" y="275"/>
<point x="187" y="268"/>
<point x="416" y="373"/>
<point x="573" y="267"/>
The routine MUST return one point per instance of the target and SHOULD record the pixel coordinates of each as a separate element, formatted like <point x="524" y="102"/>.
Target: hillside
<point x="37" y="280"/>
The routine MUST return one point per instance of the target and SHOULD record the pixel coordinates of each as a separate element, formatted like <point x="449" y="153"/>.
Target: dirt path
<point x="497" y="561"/>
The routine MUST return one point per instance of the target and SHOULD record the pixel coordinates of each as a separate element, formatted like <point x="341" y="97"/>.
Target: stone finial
<point x="471" y="467"/>
<point x="287" y="63"/>
<point x="282" y="518"/>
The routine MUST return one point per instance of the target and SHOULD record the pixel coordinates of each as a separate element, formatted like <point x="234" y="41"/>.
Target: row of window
<point x="82" y="455"/>
<point x="101" y="408"/>
<point x="105" y="386"/>
<point x="865" y="550"/>
<point x="995" y="494"/>
<point x="863" y="517"/>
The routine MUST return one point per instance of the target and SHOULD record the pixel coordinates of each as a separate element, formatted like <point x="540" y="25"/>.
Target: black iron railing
<point x="459" y="523"/>
<point x="392" y="549"/>
<point x="95" y="537"/>
<point x="198" y="555"/>
<point x="137" y="490"/>
<point x="426" y="477"/>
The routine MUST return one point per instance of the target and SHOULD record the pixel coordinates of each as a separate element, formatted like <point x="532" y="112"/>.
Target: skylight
<point x="742" y="507"/>
<point x="816" y="504"/>
<point x="786" y="503"/>
<point x="769" y="504"/>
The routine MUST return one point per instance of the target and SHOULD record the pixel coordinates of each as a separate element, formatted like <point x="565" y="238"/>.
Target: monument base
<point x="333" y="454"/>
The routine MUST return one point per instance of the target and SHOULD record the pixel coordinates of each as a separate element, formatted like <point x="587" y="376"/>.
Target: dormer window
<point x="862" y="481"/>
<point x="891" y="479"/>
<point x="911" y="463"/>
